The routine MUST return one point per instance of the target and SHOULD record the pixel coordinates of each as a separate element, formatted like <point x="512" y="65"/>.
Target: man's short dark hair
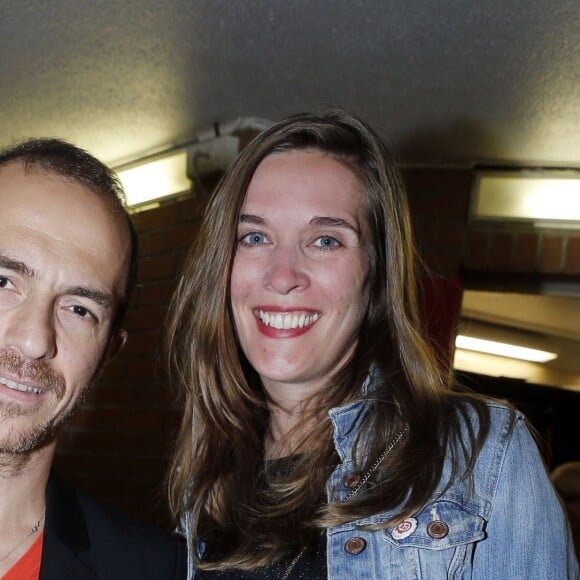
<point x="68" y="161"/>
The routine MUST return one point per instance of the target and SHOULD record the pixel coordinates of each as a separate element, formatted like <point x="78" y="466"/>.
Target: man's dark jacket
<point x="84" y="540"/>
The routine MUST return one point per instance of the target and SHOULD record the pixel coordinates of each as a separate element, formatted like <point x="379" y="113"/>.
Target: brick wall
<point x="117" y="447"/>
<point x="439" y="202"/>
<point x="522" y="251"/>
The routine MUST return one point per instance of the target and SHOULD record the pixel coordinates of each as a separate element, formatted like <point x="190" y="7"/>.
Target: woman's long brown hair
<point x="245" y="516"/>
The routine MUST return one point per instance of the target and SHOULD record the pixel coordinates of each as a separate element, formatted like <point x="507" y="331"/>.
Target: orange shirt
<point x="28" y="567"/>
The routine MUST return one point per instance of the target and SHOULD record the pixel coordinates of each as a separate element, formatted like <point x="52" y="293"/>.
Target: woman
<point x="320" y="438"/>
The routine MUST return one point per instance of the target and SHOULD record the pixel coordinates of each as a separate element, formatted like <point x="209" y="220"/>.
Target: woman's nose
<point x="285" y="272"/>
<point x="30" y="330"/>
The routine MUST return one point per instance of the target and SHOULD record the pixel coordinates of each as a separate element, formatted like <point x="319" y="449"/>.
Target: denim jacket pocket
<point x="436" y="543"/>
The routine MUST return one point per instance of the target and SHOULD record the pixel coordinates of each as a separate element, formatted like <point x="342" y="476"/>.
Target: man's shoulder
<point x="110" y="543"/>
<point x="100" y="517"/>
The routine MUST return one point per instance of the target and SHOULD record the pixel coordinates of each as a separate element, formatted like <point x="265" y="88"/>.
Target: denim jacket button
<point x="437" y="529"/>
<point x="351" y="480"/>
<point x="355" y="545"/>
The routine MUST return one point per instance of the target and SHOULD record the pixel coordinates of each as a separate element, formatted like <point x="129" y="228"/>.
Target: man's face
<point x="63" y="266"/>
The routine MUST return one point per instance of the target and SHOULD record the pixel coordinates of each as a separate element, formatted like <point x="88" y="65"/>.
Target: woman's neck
<point x="285" y="434"/>
<point x="291" y="416"/>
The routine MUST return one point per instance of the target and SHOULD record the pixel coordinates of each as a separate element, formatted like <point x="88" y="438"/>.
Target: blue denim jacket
<point x="509" y="524"/>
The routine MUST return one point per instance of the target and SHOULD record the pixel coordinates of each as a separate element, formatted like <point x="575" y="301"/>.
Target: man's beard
<point x="28" y="437"/>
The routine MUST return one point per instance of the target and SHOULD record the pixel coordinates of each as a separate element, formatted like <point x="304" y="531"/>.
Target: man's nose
<point x="285" y="272"/>
<point x="30" y="330"/>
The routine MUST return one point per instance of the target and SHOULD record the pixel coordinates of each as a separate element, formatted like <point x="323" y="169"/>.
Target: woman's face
<point x="299" y="277"/>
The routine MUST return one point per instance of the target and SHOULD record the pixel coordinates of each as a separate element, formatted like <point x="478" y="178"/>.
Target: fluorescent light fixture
<point x="504" y="349"/>
<point x="155" y="179"/>
<point x="548" y="197"/>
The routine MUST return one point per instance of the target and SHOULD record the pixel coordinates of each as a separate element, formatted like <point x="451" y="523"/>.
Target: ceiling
<point x="449" y="82"/>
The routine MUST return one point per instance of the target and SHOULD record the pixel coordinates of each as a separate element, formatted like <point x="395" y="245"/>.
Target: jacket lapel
<point x="66" y="544"/>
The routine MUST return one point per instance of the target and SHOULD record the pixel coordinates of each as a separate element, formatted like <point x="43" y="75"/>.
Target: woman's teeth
<point x="287" y="320"/>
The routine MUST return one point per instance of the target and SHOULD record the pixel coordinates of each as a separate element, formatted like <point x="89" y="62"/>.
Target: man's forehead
<point x="63" y="214"/>
<point x="17" y="170"/>
<point x="41" y="183"/>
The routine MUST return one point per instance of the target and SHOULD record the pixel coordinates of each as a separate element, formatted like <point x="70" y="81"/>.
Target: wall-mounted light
<point x="169" y="173"/>
<point x="156" y="178"/>
<point x="544" y="198"/>
<point x="503" y="349"/>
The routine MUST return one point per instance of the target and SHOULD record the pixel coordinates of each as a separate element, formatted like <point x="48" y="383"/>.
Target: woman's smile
<point x="284" y="323"/>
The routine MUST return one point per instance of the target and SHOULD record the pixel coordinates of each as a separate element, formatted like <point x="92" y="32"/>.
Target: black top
<point x="310" y="566"/>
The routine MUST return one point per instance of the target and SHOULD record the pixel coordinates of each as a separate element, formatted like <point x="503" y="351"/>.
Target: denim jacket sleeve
<point x="527" y="535"/>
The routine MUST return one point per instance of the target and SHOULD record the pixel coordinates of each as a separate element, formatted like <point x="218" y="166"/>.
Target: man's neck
<point x="23" y="480"/>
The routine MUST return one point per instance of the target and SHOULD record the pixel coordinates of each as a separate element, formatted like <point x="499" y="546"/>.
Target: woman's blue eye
<point x="326" y="242"/>
<point x="254" y="238"/>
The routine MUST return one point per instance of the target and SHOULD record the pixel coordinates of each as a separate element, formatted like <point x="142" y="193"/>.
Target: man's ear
<point x="116" y="343"/>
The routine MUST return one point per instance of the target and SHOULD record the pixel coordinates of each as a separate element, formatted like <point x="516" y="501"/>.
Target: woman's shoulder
<point x="495" y="438"/>
<point x="494" y="418"/>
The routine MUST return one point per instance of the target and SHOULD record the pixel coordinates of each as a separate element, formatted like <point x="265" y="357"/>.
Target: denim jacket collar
<point x="347" y="419"/>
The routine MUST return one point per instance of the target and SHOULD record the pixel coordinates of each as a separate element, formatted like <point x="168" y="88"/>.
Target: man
<point x="67" y="266"/>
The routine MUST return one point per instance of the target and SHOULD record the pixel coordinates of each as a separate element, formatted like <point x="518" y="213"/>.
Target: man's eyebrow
<point x="246" y="218"/>
<point x="16" y="266"/>
<point x="101" y="298"/>
<point x="334" y="222"/>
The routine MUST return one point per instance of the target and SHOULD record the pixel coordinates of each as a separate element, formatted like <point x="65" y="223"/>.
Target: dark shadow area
<point x="553" y="412"/>
<point x="435" y="145"/>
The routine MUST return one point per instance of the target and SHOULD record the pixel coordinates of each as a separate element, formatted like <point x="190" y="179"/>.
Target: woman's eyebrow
<point x="247" y="218"/>
<point x="334" y="222"/>
<point x="315" y="221"/>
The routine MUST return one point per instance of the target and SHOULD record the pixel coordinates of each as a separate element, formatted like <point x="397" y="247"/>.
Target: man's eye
<point x="327" y="242"/>
<point x="5" y="282"/>
<point x="253" y="239"/>
<point x="82" y="311"/>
